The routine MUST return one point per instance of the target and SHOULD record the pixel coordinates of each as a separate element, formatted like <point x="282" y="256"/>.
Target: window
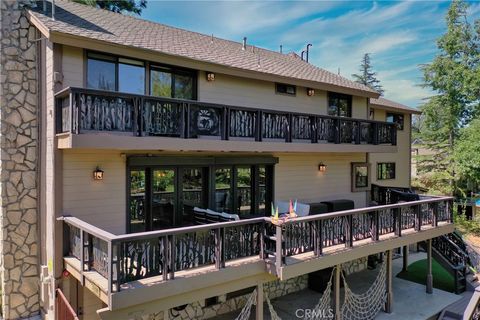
<point x="371" y="115"/>
<point x="101" y="70"/>
<point x="111" y="73"/>
<point x="385" y="170"/>
<point x="395" y="118"/>
<point x="172" y="83"/>
<point x="288" y="89"/>
<point x="131" y="76"/>
<point x="339" y="105"/>
<point x="360" y="176"/>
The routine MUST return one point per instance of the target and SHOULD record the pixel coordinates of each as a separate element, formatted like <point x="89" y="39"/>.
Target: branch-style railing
<point x="129" y="257"/>
<point x="82" y="110"/>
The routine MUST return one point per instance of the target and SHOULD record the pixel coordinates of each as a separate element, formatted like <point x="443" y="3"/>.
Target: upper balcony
<point x="217" y="258"/>
<point x="100" y="119"/>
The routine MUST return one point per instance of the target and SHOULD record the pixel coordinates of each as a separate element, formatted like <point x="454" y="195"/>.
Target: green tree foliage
<point x="454" y="76"/>
<point x="467" y="152"/>
<point x="367" y="76"/>
<point x="119" y="6"/>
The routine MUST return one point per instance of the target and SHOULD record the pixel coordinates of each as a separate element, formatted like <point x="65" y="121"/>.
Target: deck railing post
<point x="429" y="287"/>
<point x="166" y="263"/>
<point x="109" y="268"/>
<point x="171" y="256"/>
<point x="219" y="250"/>
<point x="258" y="126"/>
<point x="389" y="302"/>
<point x="336" y="291"/>
<point x="375" y="133"/>
<point x="393" y="129"/>
<point x="82" y="257"/>
<point x="337" y="130"/>
<point x="278" y="249"/>
<point x="288" y="128"/>
<point x="187" y="120"/>
<point x="226" y="123"/>
<point x="376" y="226"/>
<point x="314" y="129"/>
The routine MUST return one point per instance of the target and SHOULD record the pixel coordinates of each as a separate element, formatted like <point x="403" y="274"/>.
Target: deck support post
<point x="259" y="308"/>
<point x="389" y="302"/>
<point x="405" y="258"/>
<point x="336" y="290"/>
<point x="429" y="267"/>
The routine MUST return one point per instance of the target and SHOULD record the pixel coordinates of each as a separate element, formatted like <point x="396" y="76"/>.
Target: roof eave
<point x="390" y="108"/>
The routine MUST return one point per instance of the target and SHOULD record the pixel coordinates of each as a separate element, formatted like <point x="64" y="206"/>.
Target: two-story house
<point x="159" y="156"/>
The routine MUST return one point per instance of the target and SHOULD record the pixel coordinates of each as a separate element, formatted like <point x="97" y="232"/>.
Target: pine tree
<point x="119" y="6"/>
<point x="367" y="76"/>
<point x="453" y="75"/>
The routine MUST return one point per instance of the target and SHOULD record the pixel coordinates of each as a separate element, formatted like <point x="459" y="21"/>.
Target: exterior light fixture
<point x="310" y="92"/>
<point x="98" y="174"/>
<point x="322" y="167"/>
<point x="210" y="76"/>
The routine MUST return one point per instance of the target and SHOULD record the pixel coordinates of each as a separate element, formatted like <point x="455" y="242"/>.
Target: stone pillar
<point x="18" y="165"/>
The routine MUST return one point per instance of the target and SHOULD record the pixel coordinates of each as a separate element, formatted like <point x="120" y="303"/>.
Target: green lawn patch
<point x="417" y="272"/>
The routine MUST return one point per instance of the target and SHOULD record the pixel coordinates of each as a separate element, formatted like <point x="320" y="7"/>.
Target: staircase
<point x="453" y="258"/>
<point x="451" y="252"/>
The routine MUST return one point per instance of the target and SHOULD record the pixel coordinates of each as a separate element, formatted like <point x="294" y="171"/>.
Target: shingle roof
<point x="89" y="22"/>
<point x="389" y="104"/>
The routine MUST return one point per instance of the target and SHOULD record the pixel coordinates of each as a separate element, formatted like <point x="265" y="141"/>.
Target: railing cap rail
<point x="324" y="216"/>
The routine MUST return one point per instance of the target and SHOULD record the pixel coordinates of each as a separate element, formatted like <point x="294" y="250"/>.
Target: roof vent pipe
<point x="308" y="48"/>
<point x="303" y="52"/>
<point x="244" y="47"/>
<point x="53" y="9"/>
<point x="281" y="48"/>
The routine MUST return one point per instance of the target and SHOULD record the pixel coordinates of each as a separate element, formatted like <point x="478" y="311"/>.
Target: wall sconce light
<point x="210" y="76"/>
<point x="98" y="174"/>
<point x="322" y="167"/>
<point x="310" y="92"/>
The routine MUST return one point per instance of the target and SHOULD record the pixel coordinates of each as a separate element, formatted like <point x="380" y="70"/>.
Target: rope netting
<point x="365" y="306"/>
<point x="245" y="314"/>
<point x="355" y="306"/>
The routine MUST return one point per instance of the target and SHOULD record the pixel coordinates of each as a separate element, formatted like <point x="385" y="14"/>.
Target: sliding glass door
<point x="161" y="197"/>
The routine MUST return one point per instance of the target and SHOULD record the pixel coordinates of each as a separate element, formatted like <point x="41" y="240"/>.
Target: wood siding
<point x="297" y="177"/>
<point x="103" y="203"/>
<point x="402" y="157"/>
<point x="72" y="64"/>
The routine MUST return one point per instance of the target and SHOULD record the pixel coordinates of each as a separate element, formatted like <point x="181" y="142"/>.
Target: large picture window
<point x="385" y="170"/>
<point x="339" y="105"/>
<point x="105" y="72"/>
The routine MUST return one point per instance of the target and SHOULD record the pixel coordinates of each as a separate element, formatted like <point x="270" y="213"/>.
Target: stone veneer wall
<point x="19" y="140"/>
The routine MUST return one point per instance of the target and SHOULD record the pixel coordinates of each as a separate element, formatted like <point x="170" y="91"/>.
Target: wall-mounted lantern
<point x="98" y="174"/>
<point x="310" y="92"/>
<point x="322" y="167"/>
<point x="210" y="76"/>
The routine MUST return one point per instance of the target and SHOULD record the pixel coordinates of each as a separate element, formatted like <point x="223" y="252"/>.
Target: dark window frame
<point x="354" y="166"/>
<point x="386" y="173"/>
<point x="398" y="119"/>
<point x="335" y="95"/>
<point x="173" y="70"/>
<point x="148" y="66"/>
<point x="285" y="92"/>
<point x="178" y="164"/>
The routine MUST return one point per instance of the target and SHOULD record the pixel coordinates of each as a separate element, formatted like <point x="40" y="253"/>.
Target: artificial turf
<point x="417" y="272"/>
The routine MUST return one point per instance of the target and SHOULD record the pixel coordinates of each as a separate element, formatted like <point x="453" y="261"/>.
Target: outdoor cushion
<point x="232" y="217"/>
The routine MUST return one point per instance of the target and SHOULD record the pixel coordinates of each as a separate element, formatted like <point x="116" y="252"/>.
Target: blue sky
<point x="399" y="35"/>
